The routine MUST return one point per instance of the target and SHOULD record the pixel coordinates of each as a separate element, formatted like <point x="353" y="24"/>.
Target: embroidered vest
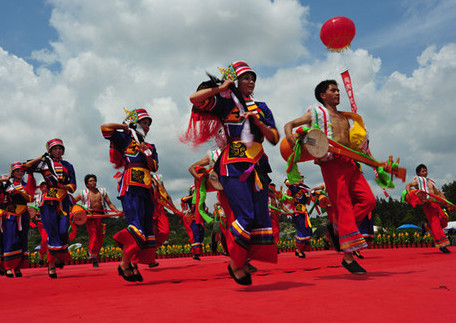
<point x="423" y="183"/>
<point x="358" y="136"/>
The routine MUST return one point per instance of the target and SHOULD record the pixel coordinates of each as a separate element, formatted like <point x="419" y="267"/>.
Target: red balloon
<point x="337" y="33"/>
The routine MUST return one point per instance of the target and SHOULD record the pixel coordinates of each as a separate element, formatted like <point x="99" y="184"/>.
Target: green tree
<point x="450" y="193"/>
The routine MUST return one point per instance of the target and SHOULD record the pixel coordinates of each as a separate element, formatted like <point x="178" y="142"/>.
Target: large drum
<point x="313" y="146"/>
<point x="78" y="215"/>
<point x="323" y="201"/>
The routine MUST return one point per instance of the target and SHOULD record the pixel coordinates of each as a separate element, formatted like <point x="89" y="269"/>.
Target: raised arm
<point x="203" y="162"/>
<point x="78" y="198"/>
<point x="202" y="95"/>
<point x="289" y="126"/>
<point x="115" y="126"/>
<point x="409" y="186"/>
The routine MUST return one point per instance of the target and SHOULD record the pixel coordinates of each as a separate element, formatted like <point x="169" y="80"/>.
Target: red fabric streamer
<point x="30" y="187"/>
<point x="115" y="157"/>
<point x="201" y="128"/>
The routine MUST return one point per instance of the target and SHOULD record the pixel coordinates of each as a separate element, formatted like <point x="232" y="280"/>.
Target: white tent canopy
<point x="451" y="226"/>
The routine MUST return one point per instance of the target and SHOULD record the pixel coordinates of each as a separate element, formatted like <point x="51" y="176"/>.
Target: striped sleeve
<point x="107" y="132"/>
<point x="208" y="104"/>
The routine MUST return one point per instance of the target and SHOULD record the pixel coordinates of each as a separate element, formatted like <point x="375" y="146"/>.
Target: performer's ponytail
<point x="203" y="126"/>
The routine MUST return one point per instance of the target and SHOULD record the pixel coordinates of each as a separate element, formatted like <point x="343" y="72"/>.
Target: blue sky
<point x="25" y="27"/>
<point x="68" y="66"/>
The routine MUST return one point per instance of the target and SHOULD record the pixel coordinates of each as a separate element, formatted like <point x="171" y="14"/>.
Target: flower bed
<point x="111" y="253"/>
<point x="402" y="240"/>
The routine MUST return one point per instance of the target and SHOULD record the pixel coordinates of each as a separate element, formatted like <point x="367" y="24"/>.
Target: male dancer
<point x="37" y="201"/>
<point x="95" y="199"/>
<point x="436" y="217"/>
<point x="350" y="195"/>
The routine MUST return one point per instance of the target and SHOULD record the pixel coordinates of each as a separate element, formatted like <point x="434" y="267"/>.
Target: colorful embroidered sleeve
<point x="208" y="104"/>
<point x="119" y="139"/>
<point x="154" y="166"/>
<point x="267" y="118"/>
<point x="19" y="198"/>
<point x="71" y="177"/>
<point x="107" y="132"/>
<point x="219" y="105"/>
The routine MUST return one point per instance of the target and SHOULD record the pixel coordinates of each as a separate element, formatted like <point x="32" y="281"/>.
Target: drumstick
<point x="441" y="200"/>
<point x="337" y="148"/>
<point x="105" y="213"/>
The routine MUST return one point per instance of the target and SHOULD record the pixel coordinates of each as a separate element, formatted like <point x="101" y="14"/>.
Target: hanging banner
<point x="348" y="87"/>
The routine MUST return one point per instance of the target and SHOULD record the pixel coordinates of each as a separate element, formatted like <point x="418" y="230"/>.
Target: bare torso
<point x="96" y="200"/>
<point x="340" y="126"/>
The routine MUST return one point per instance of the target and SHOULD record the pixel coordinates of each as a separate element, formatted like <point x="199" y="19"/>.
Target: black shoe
<point x="9" y="273"/>
<point x="52" y="275"/>
<point x="17" y="272"/>
<point x="251" y="268"/>
<point x="130" y="278"/>
<point x="95" y="264"/>
<point x="59" y="264"/>
<point x="300" y="254"/>
<point x="354" y="267"/>
<point x="246" y="280"/>
<point x="333" y="236"/>
<point x="134" y="269"/>
<point x="444" y="250"/>
<point x="358" y="254"/>
<point x="155" y="264"/>
<point x="196" y="257"/>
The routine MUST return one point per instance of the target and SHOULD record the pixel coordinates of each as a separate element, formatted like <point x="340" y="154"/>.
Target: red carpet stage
<point x="406" y="284"/>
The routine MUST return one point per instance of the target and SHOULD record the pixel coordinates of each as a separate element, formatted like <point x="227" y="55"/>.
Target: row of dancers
<point x="223" y="113"/>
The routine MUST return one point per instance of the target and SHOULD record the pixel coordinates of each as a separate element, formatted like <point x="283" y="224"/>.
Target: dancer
<point x="243" y="166"/>
<point x="274" y="212"/>
<point x="55" y="206"/>
<point x="161" y="222"/>
<point x="348" y="190"/>
<point x="16" y="222"/>
<point x="95" y="199"/>
<point x="195" y="204"/>
<point x="39" y="224"/>
<point x="301" y="196"/>
<point x="436" y="217"/>
<point x="139" y="159"/>
<point x="193" y="222"/>
<point x="277" y="207"/>
<point x="219" y="228"/>
<point x="3" y="178"/>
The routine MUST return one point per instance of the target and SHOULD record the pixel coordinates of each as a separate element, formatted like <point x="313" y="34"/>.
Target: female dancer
<point x="139" y="158"/>
<point x="56" y="203"/>
<point x="243" y="166"/>
<point x="301" y="196"/>
<point x="16" y="223"/>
